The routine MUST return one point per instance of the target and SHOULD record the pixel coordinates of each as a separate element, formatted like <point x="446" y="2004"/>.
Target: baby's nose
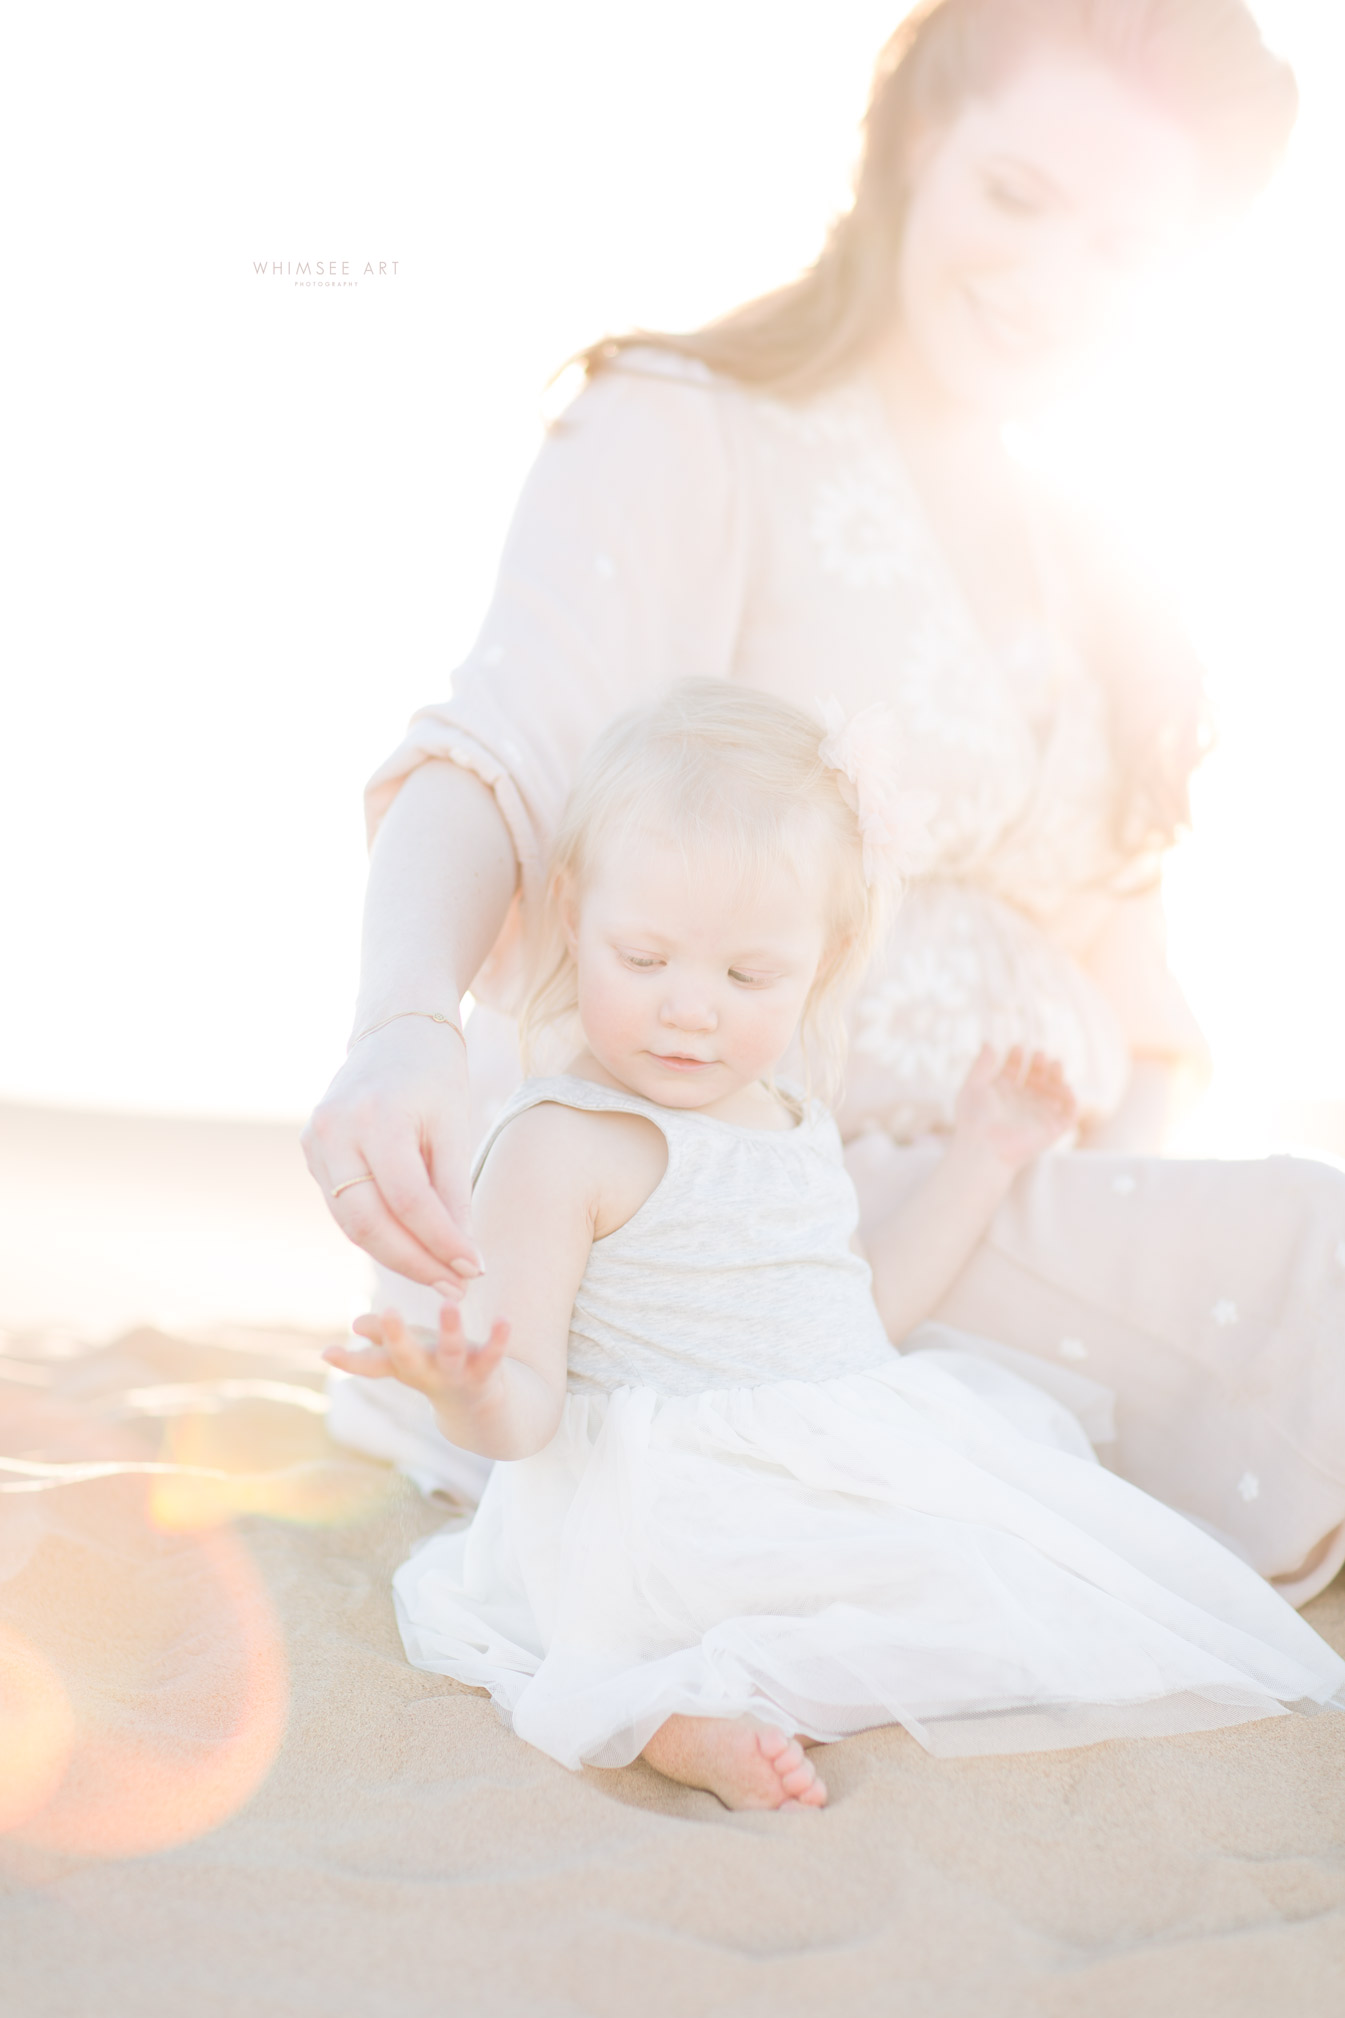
<point x="689" y="1010"/>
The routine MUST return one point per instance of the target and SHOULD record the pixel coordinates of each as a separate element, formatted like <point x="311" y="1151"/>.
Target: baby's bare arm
<point x="552" y="1178"/>
<point x="1007" y="1115"/>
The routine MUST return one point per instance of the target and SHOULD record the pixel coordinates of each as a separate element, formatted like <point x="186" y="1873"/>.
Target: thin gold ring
<point x="365" y="1177"/>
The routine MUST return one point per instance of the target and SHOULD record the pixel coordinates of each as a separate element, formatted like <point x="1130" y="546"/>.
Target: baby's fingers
<point x="373" y="1362"/>
<point x="412" y="1362"/>
<point x="369" y="1324"/>
<point x="487" y="1357"/>
<point x="1016" y="1068"/>
<point x="1048" y="1084"/>
<point x="985" y="1068"/>
<point x="470" y="1362"/>
<point x="376" y="1364"/>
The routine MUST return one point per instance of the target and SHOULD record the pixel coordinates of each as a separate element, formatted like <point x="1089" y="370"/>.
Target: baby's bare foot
<point x="746" y="1765"/>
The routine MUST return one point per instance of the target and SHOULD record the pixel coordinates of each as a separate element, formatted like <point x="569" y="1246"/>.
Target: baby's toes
<point x="793" y="1768"/>
<point x="802" y="1787"/>
<point x="796" y="1779"/>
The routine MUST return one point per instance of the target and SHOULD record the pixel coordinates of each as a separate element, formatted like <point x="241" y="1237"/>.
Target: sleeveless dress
<point x="677" y="524"/>
<point x="754" y="1506"/>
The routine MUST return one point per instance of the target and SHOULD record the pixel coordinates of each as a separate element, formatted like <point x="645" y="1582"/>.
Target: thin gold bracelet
<point x="430" y="1015"/>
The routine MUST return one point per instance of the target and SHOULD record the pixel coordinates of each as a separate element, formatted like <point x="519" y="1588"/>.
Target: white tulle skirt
<point x="931" y="1544"/>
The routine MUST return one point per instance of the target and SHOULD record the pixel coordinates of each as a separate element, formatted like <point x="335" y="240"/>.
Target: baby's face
<point x="691" y="985"/>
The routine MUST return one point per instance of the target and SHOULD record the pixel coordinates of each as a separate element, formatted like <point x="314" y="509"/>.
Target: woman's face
<point x="1030" y="220"/>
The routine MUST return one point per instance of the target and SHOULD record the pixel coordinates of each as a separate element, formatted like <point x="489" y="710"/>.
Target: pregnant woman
<point x="811" y="496"/>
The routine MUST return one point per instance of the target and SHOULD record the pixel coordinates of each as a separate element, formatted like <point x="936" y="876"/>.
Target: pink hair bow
<point x="893" y="824"/>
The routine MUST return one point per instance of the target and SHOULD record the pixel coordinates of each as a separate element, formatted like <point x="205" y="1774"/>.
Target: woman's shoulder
<point x="647" y="377"/>
<point x="682" y="389"/>
<point x="664" y="366"/>
<point x="655" y="408"/>
<point x="651" y="414"/>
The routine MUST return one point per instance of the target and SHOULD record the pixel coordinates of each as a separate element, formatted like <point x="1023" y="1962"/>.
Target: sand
<point x="224" y="1791"/>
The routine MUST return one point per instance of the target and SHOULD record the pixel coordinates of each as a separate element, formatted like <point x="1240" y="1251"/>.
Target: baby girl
<point x="732" y="1520"/>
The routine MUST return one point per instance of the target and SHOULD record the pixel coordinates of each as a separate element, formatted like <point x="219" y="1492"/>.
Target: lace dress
<point x="675" y="524"/>
<point x="754" y="1507"/>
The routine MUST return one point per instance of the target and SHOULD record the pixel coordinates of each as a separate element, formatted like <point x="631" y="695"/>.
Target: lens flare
<point x="208" y="1479"/>
<point x="144" y="1684"/>
<point x="196" y="1739"/>
<point x="143" y="1678"/>
<point x="37" y="1731"/>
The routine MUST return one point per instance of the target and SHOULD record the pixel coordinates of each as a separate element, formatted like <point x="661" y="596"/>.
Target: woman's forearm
<point x="441" y="877"/>
<point x="918" y="1254"/>
<point x="398" y="1111"/>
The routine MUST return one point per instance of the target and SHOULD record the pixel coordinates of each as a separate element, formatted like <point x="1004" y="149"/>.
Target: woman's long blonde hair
<point x="736" y="779"/>
<point x="1205" y="64"/>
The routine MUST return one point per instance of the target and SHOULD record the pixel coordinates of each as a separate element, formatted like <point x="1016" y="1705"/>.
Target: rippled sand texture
<point x="224" y="1790"/>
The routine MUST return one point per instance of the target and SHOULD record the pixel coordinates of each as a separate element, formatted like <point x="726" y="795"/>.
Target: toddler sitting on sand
<point x="731" y="1516"/>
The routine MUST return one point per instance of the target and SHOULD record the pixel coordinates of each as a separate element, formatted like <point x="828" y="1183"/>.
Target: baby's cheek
<point x="769" y="1031"/>
<point x="611" y="1015"/>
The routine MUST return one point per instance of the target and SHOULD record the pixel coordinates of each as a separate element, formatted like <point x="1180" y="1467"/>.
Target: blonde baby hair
<point x="716" y="767"/>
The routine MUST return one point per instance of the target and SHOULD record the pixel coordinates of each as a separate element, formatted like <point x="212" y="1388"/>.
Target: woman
<point x="812" y="496"/>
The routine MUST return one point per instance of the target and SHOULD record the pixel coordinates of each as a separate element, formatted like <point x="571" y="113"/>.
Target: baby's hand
<point x="447" y="1369"/>
<point x="1017" y="1109"/>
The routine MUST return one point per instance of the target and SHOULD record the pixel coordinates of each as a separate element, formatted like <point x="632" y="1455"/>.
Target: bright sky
<point x="254" y="525"/>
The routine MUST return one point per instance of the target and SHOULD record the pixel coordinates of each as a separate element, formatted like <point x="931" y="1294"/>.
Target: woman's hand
<point x="396" y="1117"/>
<point x="1013" y="1110"/>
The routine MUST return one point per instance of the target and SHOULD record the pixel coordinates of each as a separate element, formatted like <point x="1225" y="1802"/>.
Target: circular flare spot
<point x="37" y="1731"/>
<point x="179" y="1752"/>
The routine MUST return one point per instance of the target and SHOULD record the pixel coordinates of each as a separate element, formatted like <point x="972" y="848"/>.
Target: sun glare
<point x="1213" y="447"/>
<point x="258" y="525"/>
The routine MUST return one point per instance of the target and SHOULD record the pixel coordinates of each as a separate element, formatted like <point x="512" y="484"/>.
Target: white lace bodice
<point x="738" y="1270"/>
